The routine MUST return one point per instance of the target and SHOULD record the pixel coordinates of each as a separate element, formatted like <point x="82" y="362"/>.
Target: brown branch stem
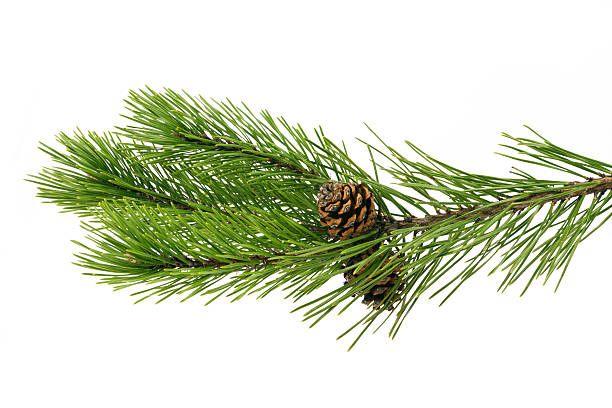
<point x="572" y="190"/>
<point x="227" y="145"/>
<point x="175" y="263"/>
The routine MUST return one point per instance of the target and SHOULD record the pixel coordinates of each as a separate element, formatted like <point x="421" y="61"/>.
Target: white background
<point x="449" y="76"/>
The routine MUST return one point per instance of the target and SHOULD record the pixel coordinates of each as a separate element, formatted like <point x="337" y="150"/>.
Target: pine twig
<point x="516" y="204"/>
<point x="228" y="145"/>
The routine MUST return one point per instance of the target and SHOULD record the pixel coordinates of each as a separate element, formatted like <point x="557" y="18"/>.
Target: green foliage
<point x="198" y="197"/>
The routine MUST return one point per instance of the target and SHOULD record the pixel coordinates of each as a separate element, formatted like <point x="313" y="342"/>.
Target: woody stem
<point x="573" y="189"/>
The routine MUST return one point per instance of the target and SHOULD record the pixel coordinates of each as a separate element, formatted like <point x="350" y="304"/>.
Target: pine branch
<point x="227" y="145"/>
<point x="515" y="204"/>
<point x="153" y="197"/>
<point x="101" y="167"/>
<point x="198" y="197"/>
<point x="164" y="120"/>
<point x="190" y="263"/>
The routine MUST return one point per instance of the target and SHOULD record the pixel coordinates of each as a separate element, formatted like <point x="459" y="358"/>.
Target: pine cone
<point x="347" y="209"/>
<point x="377" y="293"/>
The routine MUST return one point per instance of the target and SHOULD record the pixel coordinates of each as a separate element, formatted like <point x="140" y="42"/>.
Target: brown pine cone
<point x="347" y="209"/>
<point x="377" y="293"/>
